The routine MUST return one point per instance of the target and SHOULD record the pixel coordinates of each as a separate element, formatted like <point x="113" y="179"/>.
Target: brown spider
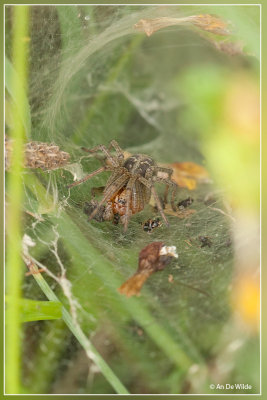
<point x="131" y="183"/>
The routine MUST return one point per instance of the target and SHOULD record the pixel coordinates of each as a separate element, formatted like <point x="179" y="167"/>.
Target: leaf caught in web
<point x="207" y="22"/>
<point x="188" y="174"/>
<point x="153" y="258"/>
<point x="210" y="23"/>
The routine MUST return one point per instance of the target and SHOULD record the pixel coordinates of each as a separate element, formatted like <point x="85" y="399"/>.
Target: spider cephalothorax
<point x="139" y="164"/>
<point x="131" y="183"/>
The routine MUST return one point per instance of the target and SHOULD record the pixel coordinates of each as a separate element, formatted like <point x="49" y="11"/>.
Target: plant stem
<point x="15" y="191"/>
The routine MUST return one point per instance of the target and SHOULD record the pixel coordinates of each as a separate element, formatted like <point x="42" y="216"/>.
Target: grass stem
<point x="90" y="350"/>
<point x="15" y="190"/>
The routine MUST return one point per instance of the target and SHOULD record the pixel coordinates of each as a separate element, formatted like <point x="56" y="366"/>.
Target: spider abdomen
<point x="140" y="196"/>
<point x="138" y="164"/>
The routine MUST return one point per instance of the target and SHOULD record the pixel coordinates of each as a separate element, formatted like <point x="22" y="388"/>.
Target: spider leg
<point x="118" y="150"/>
<point x="108" y="194"/>
<point x="103" y="148"/>
<point x="129" y="189"/>
<point x="140" y="196"/>
<point x="158" y="203"/>
<point x="171" y="184"/>
<point x="137" y="197"/>
<point x="160" y="176"/>
<point x="166" y="194"/>
<point x="117" y="172"/>
<point x="156" y="197"/>
<point x="174" y="191"/>
<point x="168" y="171"/>
<point x="89" y="176"/>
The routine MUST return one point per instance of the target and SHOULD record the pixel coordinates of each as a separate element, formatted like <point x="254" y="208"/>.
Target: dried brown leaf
<point x="149" y="26"/>
<point x="210" y="23"/>
<point x="133" y="285"/>
<point x="152" y="258"/>
<point x="207" y="22"/>
<point x="187" y="174"/>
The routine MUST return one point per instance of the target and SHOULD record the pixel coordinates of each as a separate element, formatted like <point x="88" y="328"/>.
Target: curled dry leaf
<point x="149" y="26"/>
<point x="210" y="23"/>
<point x="187" y="174"/>
<point x="207" y="22"/>
<point x="152" y="258"/>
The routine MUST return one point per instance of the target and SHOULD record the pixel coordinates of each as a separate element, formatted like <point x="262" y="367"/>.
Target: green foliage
<point x="17" y="94"/>
<point x="95" y="79"/>
<point x="16" y="83"/>
<point x="32" y="310"/>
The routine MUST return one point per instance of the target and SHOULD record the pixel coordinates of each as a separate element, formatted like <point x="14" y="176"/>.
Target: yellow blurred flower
<point x="246" y="300"/>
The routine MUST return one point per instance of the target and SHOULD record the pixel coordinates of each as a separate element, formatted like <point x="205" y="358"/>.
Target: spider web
<point x="93" y="78"/>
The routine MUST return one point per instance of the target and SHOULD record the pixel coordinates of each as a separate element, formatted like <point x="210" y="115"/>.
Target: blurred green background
<point x="184" y="94"/>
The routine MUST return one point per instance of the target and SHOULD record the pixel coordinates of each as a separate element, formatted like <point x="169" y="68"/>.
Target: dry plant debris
<point x="182" y="213"/>
<point x="205" y="241"/>
<point x="207" y="22"/>
<point x="210" y="23"/>
<point x="188" y="174"/>
<point x="152" y="258"/>
<point x="185" y="203"/>
<point x="42" y="155"/>
<point x="230" y="48"/>
<point x="35" y="267"/>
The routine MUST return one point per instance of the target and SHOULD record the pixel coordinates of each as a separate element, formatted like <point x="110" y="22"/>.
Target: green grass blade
<point x="81" y="337"/>
<point x="46" y="359"/>
<point x="15" y="191"/>
<point x="17" y="93"/>
<point x="33" y="310"/>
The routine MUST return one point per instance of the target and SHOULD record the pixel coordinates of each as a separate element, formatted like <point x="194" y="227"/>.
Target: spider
<point x="131" y="182"/>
